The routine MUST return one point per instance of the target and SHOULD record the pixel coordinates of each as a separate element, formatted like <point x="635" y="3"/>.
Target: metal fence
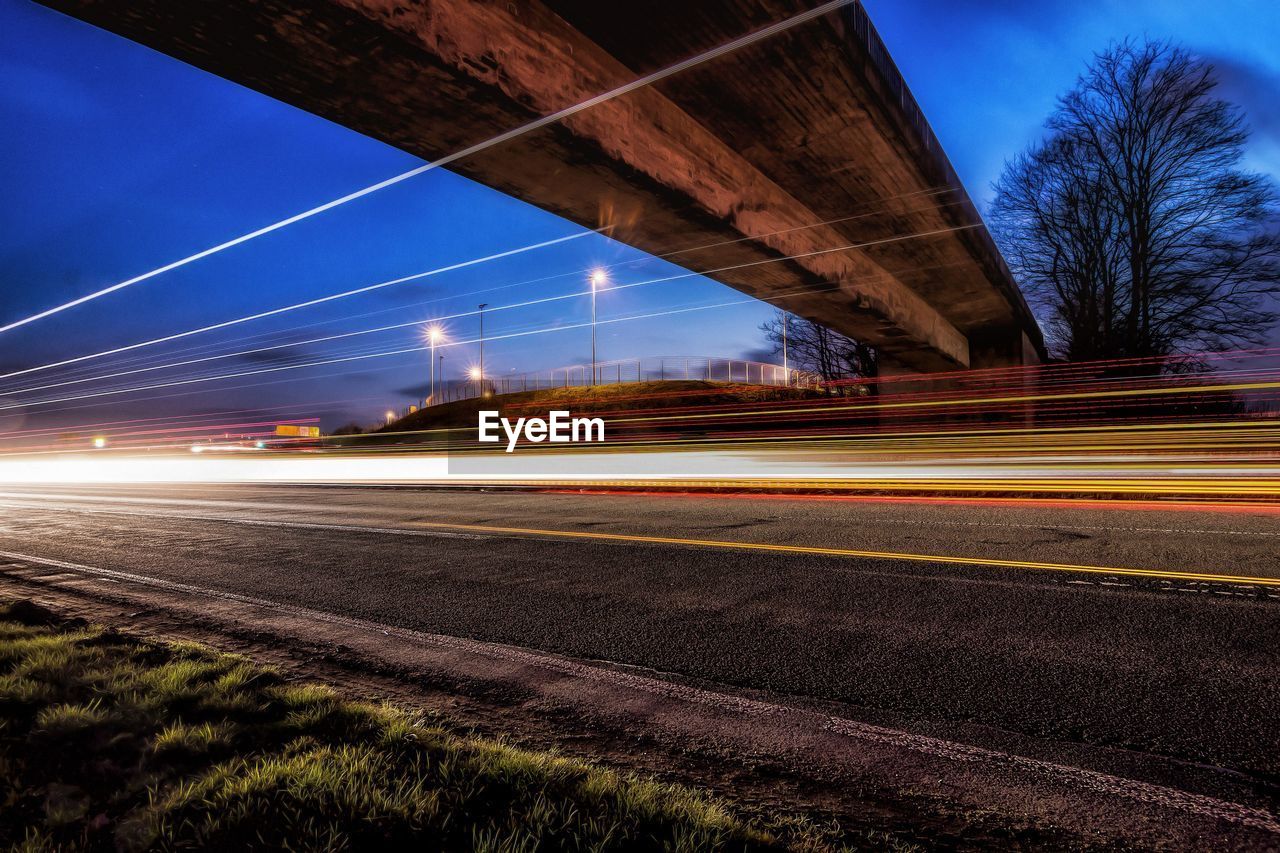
<point x="629" y="370"/>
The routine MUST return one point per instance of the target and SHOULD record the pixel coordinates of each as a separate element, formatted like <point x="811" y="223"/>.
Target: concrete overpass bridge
<point x="751" y="167"/>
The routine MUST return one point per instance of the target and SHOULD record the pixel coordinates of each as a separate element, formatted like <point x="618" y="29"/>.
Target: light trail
<point x="1026" y="398"/>
<point x="665" y="255"/>
<point x="1089" y="432"/>
<point x="526" y="304"/>
<point x="300" y="305"/>
<point x="190" y="351"/>
<point x="552" y="118"/>
<point x="347" y="359"/>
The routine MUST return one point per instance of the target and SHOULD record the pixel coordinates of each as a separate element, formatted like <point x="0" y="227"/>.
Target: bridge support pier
<point x="1004" y="347"/>
<point x="1003" y="351"/>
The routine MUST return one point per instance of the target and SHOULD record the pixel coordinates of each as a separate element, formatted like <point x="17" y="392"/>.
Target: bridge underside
<point x="751" y="167"/>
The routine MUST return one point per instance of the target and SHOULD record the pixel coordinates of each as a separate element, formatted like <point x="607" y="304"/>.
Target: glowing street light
<point x="599" y="278"/>
<point x="434" y="334"/>
<point x="99" y="442"/>
<point x="391" y="416"/>
<point x="476" y="375"/>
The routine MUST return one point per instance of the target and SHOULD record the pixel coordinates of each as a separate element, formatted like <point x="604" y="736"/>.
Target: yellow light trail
<point x="973" y="401"/>
<point x="1158" y="574"/>
<point x="1242" y="487"/>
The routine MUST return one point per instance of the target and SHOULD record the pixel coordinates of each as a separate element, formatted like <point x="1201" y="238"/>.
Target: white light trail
<point x="295" y="307"/>
<point x="574" y="274"/>
<point x="347" y="359"/>
<point x="552" y="118"/>
<point x="526" y="304"/>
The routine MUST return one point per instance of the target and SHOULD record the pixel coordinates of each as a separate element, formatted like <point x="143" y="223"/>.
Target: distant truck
<point x="297" y="431"/>
<point x="294" y="437"/>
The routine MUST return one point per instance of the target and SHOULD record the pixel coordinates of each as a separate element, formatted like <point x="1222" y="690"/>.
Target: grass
<point x="110" y="742"/>
<point x="597" y="398"/>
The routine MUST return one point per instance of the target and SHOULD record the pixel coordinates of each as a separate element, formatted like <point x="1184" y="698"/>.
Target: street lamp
<point x="483" y="305"/>
<point x="434" y="334"/>
<point x="786" y="374"/>
<point x="598" y="279"/>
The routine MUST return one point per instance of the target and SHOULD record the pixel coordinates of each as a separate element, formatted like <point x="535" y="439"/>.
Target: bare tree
<point x="1132" y="226"/>
<point x="819" y="350"/>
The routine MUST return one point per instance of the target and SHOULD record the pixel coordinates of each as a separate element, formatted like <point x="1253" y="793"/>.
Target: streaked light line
<point x="661" y="280"/>
<point x="552" y="118"/>
<point x="512" y="306"/>
<point x="351" y="358"/>
<point x="973" y="401"/>
<point x="297" y="306"/>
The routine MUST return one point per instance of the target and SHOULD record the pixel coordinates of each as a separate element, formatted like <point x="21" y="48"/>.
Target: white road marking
<point x="1077" y="777"/>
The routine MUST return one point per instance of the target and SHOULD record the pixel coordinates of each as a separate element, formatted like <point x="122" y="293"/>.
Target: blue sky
<point x="987" y="72"/>
<point x="116" y="159"/>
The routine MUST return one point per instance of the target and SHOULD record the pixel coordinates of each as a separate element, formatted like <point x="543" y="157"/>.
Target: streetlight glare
<point x="598" y="277"/>
<point x="434" y="335"/>
<point x="474" y="373"/>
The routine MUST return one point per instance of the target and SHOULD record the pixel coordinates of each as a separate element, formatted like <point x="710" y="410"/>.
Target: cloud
<point x="764" y="354"/>
<point x="414" y="390"/>
<point x="1254" y="89"/>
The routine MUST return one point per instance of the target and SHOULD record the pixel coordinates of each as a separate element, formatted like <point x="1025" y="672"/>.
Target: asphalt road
<point x="1175" y="665"/>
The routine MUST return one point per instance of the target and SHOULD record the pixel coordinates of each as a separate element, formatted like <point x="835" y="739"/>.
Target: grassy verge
<point x="112" y="742"/>
<point x="595" y="399"/>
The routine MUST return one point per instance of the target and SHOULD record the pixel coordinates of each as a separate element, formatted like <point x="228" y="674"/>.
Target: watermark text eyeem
<point x="560" y="427"/>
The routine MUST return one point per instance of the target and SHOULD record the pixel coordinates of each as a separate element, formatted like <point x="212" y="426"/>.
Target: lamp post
<point x="442" y="379"/>
<point x="433" y="335"/>
<point x="786" y="373"/>
<point x="598" y="277"/>
<point x="483" y="305"/>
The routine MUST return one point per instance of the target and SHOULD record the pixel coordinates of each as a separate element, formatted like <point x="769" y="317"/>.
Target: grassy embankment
<point x="630" y="396"/>
<point x="113" y="742"/>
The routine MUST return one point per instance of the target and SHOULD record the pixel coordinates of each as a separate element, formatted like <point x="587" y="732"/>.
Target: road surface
<point x="1151" y="631"/>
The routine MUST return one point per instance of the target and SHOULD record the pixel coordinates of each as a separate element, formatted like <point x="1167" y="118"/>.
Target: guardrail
<point x="629" y="370"/>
